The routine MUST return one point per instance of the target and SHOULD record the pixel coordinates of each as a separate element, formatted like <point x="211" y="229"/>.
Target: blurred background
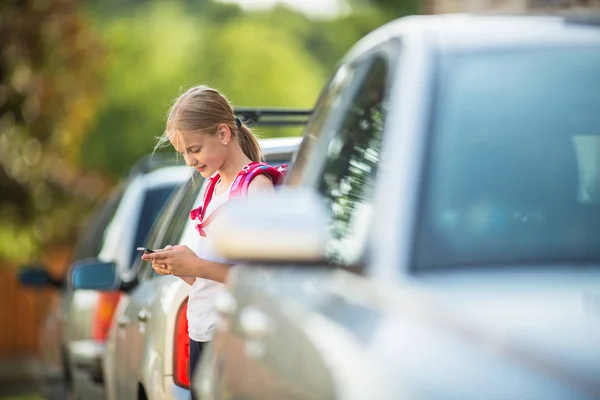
<point x="85" y="87"/>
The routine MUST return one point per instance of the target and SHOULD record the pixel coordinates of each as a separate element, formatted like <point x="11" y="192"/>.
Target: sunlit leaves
<point x="49" y="70"/>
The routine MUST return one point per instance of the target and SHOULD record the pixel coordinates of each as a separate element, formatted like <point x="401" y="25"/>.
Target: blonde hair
<point x="202" y="109"/>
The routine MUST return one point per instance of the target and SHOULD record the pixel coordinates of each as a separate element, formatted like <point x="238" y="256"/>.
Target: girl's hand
<point x="177" y="260"/>
<point x="160" y="267"/>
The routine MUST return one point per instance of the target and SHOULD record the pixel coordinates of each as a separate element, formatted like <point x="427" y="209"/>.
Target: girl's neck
<point x="230" y="170"/>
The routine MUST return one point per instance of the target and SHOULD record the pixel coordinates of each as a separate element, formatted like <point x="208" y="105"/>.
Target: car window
<point x="154" y="200"/>
<point x="171" y="222"/>
<point x="352" y="154"/>
<point x="514" y="163"/>
<point x="330" y="98"/>
<point x="93" y="234"/>
<point x="174" y="229"/>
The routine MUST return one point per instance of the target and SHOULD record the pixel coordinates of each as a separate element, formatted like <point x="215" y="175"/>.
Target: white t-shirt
<point x="201" y="313"/>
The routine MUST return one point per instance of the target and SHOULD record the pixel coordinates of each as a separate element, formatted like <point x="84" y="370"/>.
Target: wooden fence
<point x="22" y="309"/>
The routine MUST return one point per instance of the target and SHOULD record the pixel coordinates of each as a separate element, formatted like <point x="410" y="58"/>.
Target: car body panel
<point x="380" y="328"/>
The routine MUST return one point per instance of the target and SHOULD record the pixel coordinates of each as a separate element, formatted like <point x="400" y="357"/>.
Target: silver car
<point x="442" y="240"/>
<point x="147" y="352"/>
<point x="74" y="333"/>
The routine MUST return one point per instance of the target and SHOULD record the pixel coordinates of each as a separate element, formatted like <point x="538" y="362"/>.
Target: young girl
<point x="203" y="128"/>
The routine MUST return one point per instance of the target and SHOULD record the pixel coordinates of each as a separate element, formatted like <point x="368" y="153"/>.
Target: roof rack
<point x="273" y="116"/>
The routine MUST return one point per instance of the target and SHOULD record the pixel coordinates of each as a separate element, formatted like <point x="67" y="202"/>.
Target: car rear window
<point x="513" y="171"/>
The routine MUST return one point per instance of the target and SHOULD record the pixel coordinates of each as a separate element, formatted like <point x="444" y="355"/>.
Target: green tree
<point x="390" y="9"/>
<point x="159" y="49"/>
<point x="49" y="83"/>
<point x="149" y="56"/>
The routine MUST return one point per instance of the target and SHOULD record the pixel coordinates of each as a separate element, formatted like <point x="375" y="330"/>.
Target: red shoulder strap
<point x="239" y="188"/>
<point x="249" y="172"/>
<point x="208" y="194"/>
<point x="198" y="213"/>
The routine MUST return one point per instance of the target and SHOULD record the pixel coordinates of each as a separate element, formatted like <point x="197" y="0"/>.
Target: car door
<point x="291" y="334"/>
<point x="114" y="357"/>
<point x="134" y="319"/>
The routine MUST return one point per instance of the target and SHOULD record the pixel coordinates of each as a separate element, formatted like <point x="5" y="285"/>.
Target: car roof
<point x="474" y="31"/>
<point x="280" y="144"/>
<point x="279" y="149"/>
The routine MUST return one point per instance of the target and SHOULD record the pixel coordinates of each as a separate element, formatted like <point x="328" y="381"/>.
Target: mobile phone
<point x="145" y="250"/>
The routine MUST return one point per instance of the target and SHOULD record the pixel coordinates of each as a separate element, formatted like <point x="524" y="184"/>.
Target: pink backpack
<point x="239" y="188"/>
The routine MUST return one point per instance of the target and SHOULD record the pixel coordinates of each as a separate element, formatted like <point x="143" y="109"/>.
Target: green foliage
<point x="24" y="397"/>
<point x="164" y="48"/>
<point x="149" y="57"/>
<point x="50" y="63"/>
<point x="81" y="101"/>
<point x="389" y="9"/>
<point x="157" y="49"/>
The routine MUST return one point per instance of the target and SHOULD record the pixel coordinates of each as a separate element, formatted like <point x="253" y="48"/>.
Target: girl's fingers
<point x="158" y="254"/>
<point x="155" y="256"/>
<point x="161" y="271"/>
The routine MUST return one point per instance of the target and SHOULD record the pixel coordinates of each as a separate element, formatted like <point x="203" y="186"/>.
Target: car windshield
<point x="514" y="160"/>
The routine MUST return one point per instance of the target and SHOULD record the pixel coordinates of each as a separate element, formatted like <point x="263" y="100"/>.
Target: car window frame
<point x="169" y="225"/>
<point x="139" y="237"/>
<point x="390" y="53"/>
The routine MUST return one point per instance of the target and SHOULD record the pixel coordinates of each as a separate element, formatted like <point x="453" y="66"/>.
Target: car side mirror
<point x="93" y="274"/>
<point x="36" y="276"/>
<point x="287" y="226"/>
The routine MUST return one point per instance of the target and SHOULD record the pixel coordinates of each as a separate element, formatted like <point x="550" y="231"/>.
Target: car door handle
<point x="123" y="321"/>
<point x="143" y="315"/>
<point x="254" y="323"/>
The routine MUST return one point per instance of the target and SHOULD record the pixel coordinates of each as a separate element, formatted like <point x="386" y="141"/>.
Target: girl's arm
<point x="217" y="271"/>
<point x="260" y="184"/>
<point x="181" y="261"/>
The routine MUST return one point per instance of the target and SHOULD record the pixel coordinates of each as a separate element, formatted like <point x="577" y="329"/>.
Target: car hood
<point x="521" y="334"/>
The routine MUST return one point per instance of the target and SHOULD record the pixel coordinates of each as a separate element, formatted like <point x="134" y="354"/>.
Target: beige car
<point x="74" y="333"/>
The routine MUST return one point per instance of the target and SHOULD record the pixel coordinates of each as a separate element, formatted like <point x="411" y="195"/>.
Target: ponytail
<point x="249" y="143"/>
<point x="202" y="109"/>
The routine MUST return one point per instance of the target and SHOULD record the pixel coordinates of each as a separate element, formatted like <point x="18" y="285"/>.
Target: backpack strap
<point x="239" y="188"/>
<point x="249" y="172"/>
<point x="208" y="194"/>
<point x="198" y="213"/>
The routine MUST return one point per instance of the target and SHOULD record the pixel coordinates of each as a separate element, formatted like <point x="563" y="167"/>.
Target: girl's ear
<point x="224" y="134"/>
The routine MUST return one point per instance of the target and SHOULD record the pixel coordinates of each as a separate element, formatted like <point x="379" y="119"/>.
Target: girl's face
<point x="205" y="152"/>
